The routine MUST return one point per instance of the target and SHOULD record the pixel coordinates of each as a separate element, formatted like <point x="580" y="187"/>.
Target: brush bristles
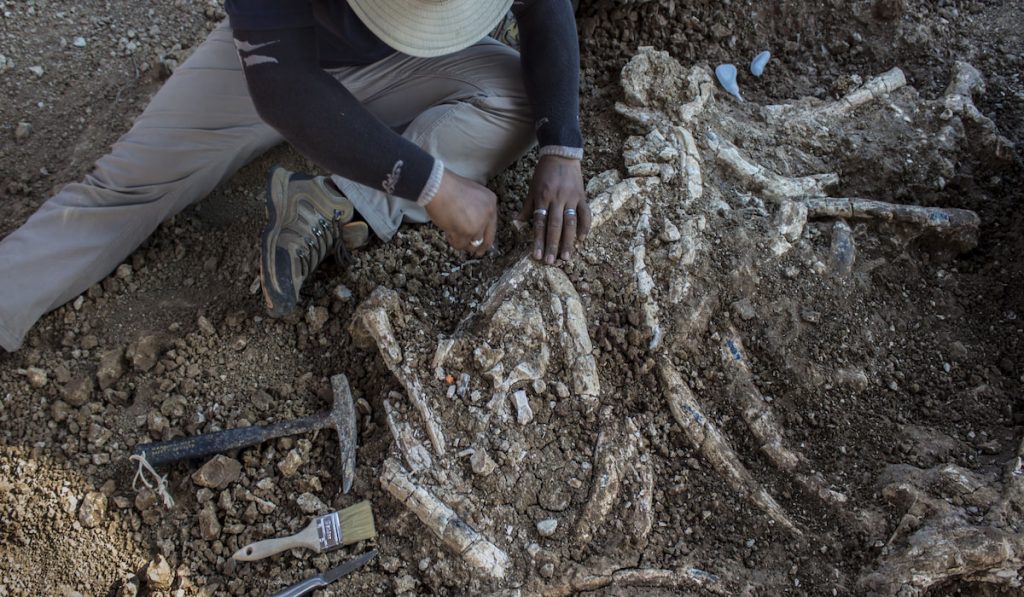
<point x="357" y="523"/>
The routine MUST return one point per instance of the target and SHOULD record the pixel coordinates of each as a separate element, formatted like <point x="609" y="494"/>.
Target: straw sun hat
<point x="427" y="28"/>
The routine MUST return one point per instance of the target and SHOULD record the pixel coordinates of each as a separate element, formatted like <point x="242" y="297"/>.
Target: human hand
<point x="467" y="213"/>
<point x="558" y="206"/>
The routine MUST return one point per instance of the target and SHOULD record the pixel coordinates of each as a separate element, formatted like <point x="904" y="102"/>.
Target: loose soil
<point x="176" y="342"/>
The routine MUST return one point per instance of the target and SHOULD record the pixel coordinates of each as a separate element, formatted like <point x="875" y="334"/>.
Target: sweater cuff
<point x="433" y="184"/>
<point x="572" y="153"/>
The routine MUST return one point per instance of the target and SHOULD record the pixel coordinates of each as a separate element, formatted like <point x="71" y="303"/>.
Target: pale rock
<point x="22" y="131"/>
<point x="37" y="71"/>
<point x="158" y="574"/>
<point x="669" y="232"/>
<point x="93" y="509"/>
<point x="218" y="473"/>
<point x="310" y="504"/>
<point x="111" y="368"/>
<point x="37" y="377"/>
<point x="205" y="326"/>
<point x="547" y="527"/>
<point x="316" y="318"/>
<point x="482" y="463"/>
<point x="209" y="526"/>
<point x="289" y="465"/>
<point x="524" y="414"/>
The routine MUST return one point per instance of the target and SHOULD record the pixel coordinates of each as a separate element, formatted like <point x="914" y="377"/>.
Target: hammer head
<point x="343" y="417"/>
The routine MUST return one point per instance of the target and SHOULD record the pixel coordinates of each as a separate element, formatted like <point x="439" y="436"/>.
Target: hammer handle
<point x="198" y="446"/>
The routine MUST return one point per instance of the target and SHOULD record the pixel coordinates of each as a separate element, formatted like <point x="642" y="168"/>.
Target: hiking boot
<point x="307" y="220"/>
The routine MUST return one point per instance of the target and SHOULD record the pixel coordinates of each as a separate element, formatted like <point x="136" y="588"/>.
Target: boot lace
<point x="325" y="237"/>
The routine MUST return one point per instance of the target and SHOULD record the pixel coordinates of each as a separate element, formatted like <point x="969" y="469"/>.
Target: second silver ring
<point x="540" y="213"/>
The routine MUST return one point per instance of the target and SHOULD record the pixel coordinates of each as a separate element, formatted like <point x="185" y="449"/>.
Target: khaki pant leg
<point x="197" y="131"/>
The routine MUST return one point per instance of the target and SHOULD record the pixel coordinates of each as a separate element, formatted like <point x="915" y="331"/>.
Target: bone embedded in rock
<point x="874" y="89"/>
<point x="524" y="414"/>
<point x="579" y="351"/>
<point x="645" y="288"/>
<point x="702" y="89"/>
<point x="611" y="455"/>
<point x="706" y="438"/>
<point x="478" y="551"/>
<point x="415" y="454"/>
<point x="642" y="518"/>
<point x="689" y="164"/>
<point x="605" y="205"/>
<point x="843" y="250"/>
<point x="756" y="177"/>
<point x="790" y="219"/>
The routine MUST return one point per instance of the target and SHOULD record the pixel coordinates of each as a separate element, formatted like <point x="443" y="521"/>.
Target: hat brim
<point x="428" y="28"/>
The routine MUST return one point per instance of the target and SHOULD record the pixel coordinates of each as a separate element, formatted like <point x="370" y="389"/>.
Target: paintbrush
<point x="325" y="533"/>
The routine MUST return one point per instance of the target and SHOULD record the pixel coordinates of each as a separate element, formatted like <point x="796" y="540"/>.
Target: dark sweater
<point x="285" y="45"/>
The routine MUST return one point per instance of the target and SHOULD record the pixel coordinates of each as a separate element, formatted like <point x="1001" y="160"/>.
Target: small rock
<point x="482" y="463"/>
<point x="205" y="326"/>
<point x="79" y="42"/>
<point x="524" y="414"/>
<point x="93" y="509"/>
<point x="342" y="292"/>
<point x="745" y="309"/>
<point x="547" y="527"/>
<point x="145" y="498"/>
<point x="79" y="390"/>
<point x="316" y="317"/>
<point x="289" y="465"/>
<point x="810" y="315"/>
<point x="209" y="526"/>
<point x="37" y="377"/>
<point x="111" y="368"/>
<point x="404" y="584"/>
<point x="145" y="353"/>
<point x="310" y="504"/>
<point x="218" y="473"/>
<point x="158" y="574"/>
<point x="669" y="232"/>
<point x="22" y="131"/>
<point x="36" y="70"/>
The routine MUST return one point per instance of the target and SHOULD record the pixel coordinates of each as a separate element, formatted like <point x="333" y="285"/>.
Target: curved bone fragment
<point x="644" y="281"/>
<point x="762" y="424"/>
<point x="605" y="205"/>
<point x="612" y="455"/>
<point x="371" y="319"/>
<point x="874" y="89"/>
<point x="689" y="163"/>
<point x="707" y="440"/>
<point x="958" y="99"/>
<point x="758" y="178"/>
<point x="415" y="454"/>
<point x="959" y="227"/>
<point x="683" y="579"/>
<point x="579" y="351"/>
<point x="476" y="549"/>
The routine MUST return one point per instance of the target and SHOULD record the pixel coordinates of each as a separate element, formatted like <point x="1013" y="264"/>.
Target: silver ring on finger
<point x="540" y="213"/>
<point x="570" y="212"/>
<point x="476" y="243"/>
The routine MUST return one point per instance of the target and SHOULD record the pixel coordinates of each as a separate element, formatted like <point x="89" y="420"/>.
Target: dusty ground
<point x="176" y="342"/>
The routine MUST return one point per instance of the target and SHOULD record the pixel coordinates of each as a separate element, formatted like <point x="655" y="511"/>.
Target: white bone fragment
<point x="706" y="438"/>
<point x="758" y="178"/>
<point x="686" y="580"/>
<point x="874" y="89"/>
<point x="701" y="89"/>
<point x="579" y="350"/>
<point x="611" y="456"/>
<point x="762" y="424"/>
<point x="605" y="205"/>
<point x="478" y="551"/>
<point x="843" y="251"/>
<point x="642" y="517"/>
<point x="689" y="164"/>
<point x="414" y="453"/>
<point x="644" y="281"/>
<point x="371" y="319"/>
<point x="791" y="219"/>
<point x="958" y="99"/>
<point x="524" y="414"/>
<point x="959" y="227"/>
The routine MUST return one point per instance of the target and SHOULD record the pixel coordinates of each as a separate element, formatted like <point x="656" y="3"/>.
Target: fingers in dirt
<point x="539" y="225"/>
<point x="568" y="237"/>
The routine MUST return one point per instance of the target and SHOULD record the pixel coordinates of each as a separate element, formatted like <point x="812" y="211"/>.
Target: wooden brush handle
<point x="264" y="549"/>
